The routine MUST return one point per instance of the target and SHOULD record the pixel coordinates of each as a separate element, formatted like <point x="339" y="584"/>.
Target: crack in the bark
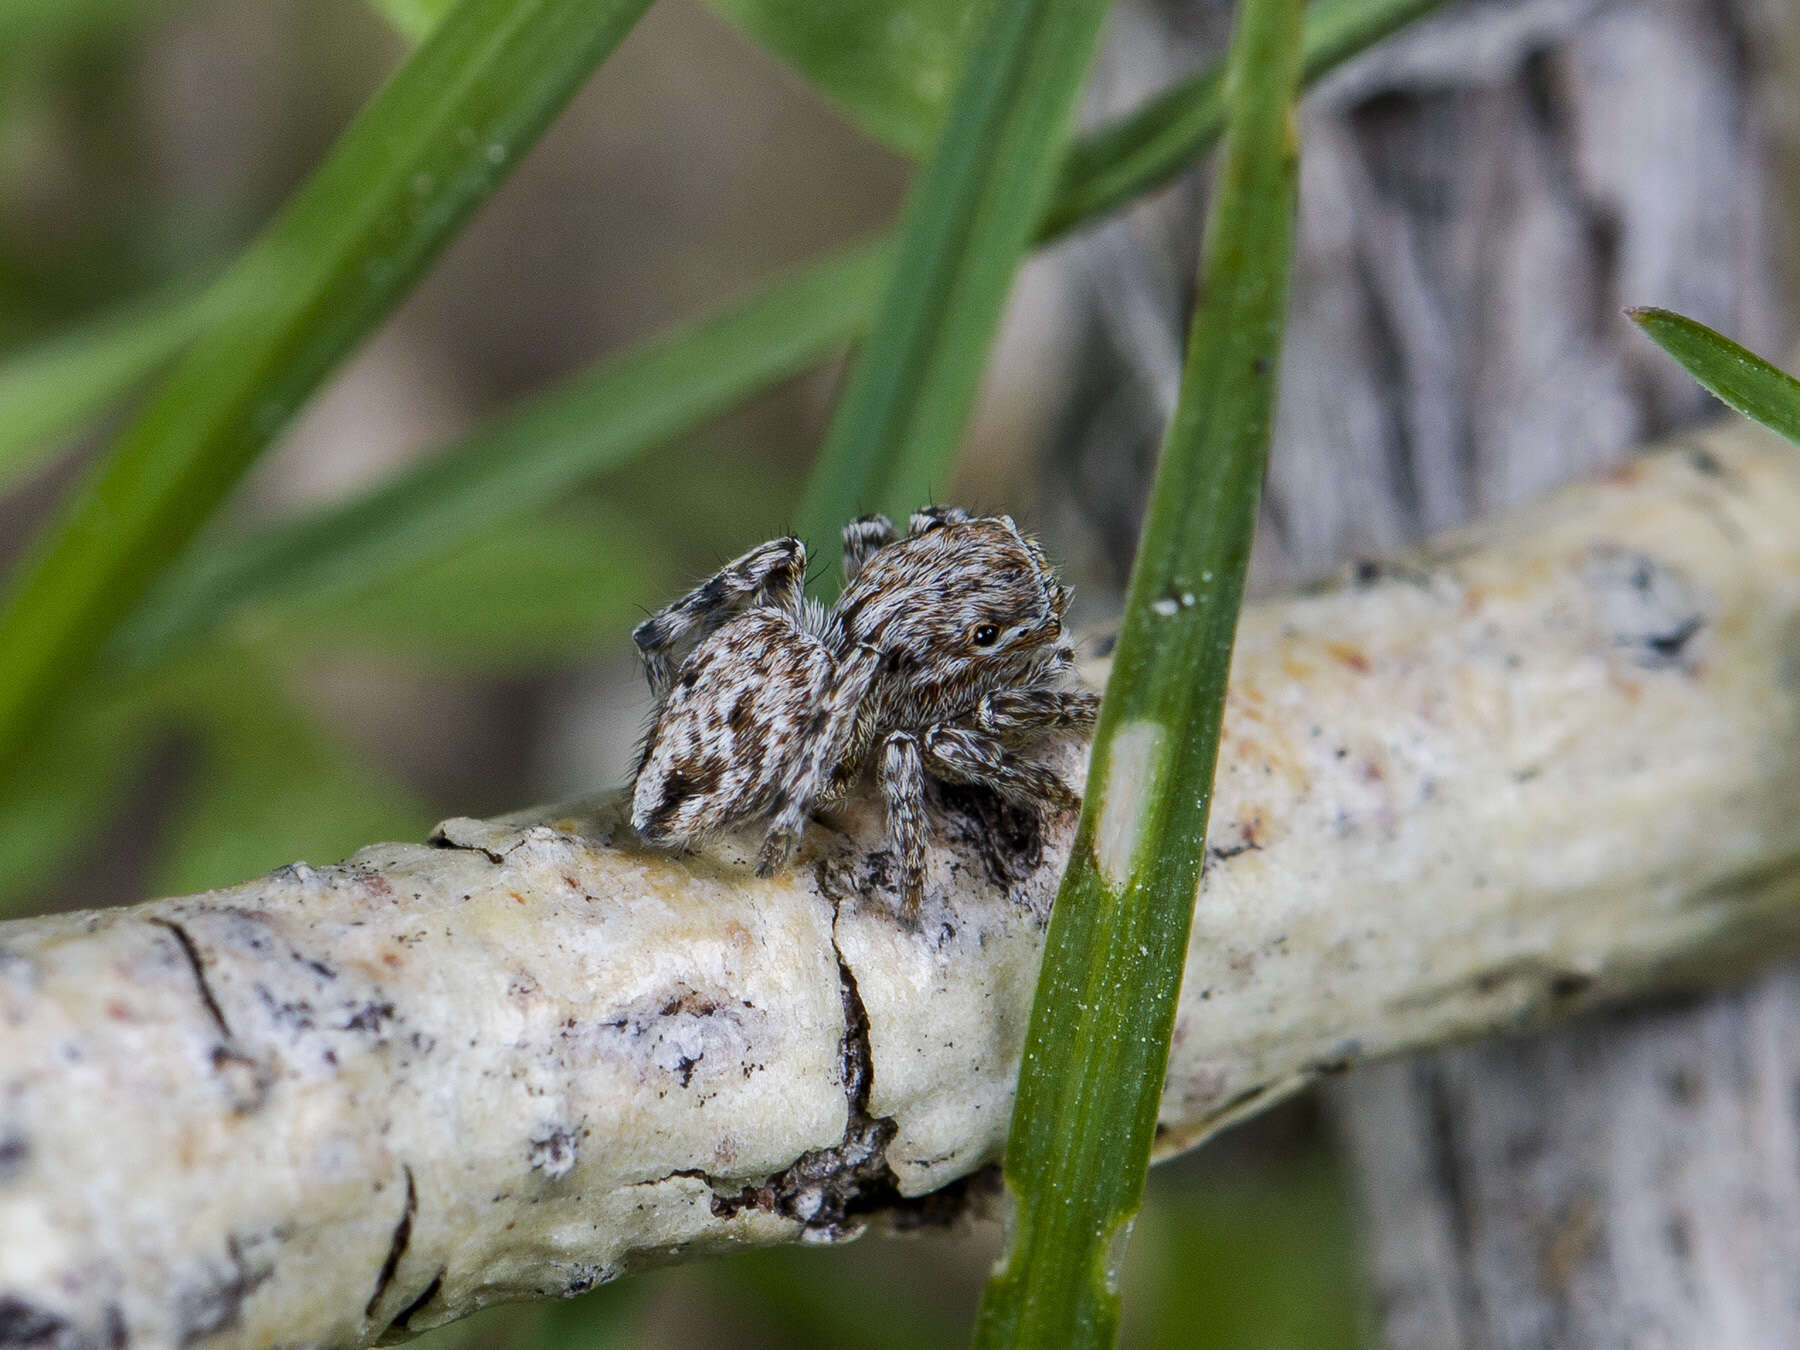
<point x="198" y="967"/>
<point x="403" y="1319"/>
<point x="831" y="1191"/>
<point x="397" y="1246"/>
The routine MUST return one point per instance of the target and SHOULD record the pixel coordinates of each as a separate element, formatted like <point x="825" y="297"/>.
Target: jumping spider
<point x="943" y="652"/>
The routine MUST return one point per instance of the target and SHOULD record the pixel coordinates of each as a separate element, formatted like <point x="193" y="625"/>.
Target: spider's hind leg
<point x="863" y="538"/>
<point x="773" y="573"/>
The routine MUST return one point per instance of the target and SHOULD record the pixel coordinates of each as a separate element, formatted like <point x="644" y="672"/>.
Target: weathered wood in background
<point x="1479" y="200"/>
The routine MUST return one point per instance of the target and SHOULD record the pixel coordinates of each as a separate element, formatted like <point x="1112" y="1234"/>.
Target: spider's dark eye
<point x="986" y="635"/>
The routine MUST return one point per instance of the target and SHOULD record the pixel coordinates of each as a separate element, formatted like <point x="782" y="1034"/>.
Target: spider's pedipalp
<point x="772" y="574"/>
<point x="963" y="755"/>
<point x="1012" y="712"/>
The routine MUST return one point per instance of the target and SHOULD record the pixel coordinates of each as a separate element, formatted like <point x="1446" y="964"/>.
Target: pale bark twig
<point x="1541" y="764"/>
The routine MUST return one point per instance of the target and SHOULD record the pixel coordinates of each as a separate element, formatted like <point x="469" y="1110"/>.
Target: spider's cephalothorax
<point x="944" y="652"/>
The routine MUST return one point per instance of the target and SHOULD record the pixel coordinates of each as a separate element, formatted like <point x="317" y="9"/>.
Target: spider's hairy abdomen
<point x="738" y="711"/>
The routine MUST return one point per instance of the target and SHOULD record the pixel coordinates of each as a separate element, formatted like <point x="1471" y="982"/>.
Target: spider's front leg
<point x="814" y="763"/>
<point x="960" y="754"/>
<point x="903" y="790"/>
<point x="928" y="518"/>
<point x="773" y="573"/>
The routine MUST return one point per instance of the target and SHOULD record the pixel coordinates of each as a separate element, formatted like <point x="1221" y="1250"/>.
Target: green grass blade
<point x="430" y="146"/>
<point x="530" y="595"/>
<point x="889" y="64"/>
<point x="49" y="390"/>
<point x="967" y="225"/>
<point x="411" y="19"/>
<point x="1098" y="1041"/>
<point x="525" y="461"/>
<point x="598" y="422"/>
<point x="1147" y="148"/>
<point x="1737" y="377"/>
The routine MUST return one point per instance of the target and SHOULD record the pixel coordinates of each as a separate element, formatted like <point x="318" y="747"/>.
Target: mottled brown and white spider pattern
<point x="943" y="655"/>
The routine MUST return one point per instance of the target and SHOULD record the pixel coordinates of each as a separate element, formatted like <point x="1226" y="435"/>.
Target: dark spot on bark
<point x="397" y="1244"/>
<point x="581" y="1280"/>
<point x="295" y="1013"/>
<point x="319" y="968"/>
<point x="26" y="1325"/>
<point x="1704" y="462"/>
<point x="553" y="1153"/>
<point x="214" y="1300"/>
<point x="690" y="1001"/>
<point x="1646" y="606"/>
<point x="403" y="1319"/>
<point x="1664" y="649"/>
<point x="369" y="1017"/>
<point x="192" y="953"/>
